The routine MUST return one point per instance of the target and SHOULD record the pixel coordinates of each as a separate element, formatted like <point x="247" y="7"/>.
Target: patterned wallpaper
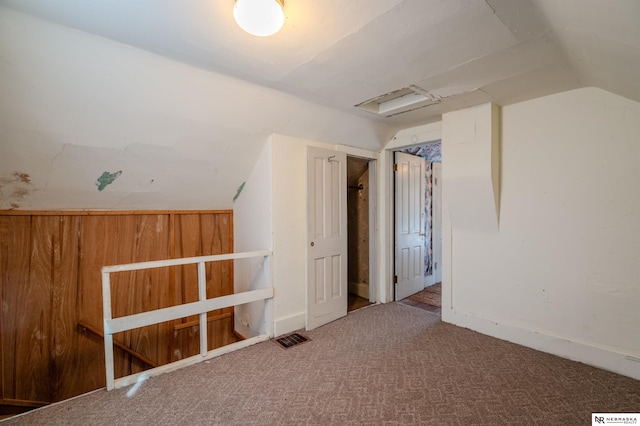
<point x="431" y="152"/>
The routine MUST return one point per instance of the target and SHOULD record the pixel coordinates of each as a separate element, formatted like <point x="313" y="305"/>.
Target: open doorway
<point x="428" y="294"/>
<point x="359" y="207"/>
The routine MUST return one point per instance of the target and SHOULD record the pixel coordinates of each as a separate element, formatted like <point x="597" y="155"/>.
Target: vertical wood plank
<point x="151" y="341"/>
<point x="174" y="293"/>
<point x="210" y="234"/>
<point x="187" y="244"/>
<point x="217" y="236"/>
<point x="64" y="319"/>
<point x="3" y="269"/>
<point x="93" y="250"/>
<point x="142" y="238"/>
<point x="15" y="254"/>
<point x="32" y="309"/>
<point x="201" y="235"/>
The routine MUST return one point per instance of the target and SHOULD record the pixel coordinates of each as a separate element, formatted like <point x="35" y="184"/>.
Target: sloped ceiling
<point x="340" y="53"/>
<point x="207" y="92"/>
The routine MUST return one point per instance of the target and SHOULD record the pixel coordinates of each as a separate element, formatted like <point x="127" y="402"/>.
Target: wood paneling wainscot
<point x="51" y="292"/>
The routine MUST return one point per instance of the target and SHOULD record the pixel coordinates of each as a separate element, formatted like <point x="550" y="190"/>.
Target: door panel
<point x="327" y="238"/>
<point x="410" y="217"/>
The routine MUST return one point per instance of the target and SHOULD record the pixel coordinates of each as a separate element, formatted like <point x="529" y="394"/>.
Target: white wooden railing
<point x="201" y="307"/>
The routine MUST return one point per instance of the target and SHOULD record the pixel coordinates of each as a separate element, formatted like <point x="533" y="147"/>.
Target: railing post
<point x="108" y="337"/>
<point x="202" y="295"/>
<point x="268" y="303"/>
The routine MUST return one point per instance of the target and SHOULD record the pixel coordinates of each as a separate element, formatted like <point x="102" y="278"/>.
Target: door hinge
<point x="435" y="180"/>
<point x="435" y="265"/>
<point x="395" y="167"/>
<point x="395" y="279"/>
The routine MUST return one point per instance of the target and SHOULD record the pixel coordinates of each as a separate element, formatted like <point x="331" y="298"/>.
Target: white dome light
<point x="259" y="17"/>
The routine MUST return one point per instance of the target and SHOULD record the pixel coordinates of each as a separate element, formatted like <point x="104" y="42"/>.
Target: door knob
<point x="312" y="244"/>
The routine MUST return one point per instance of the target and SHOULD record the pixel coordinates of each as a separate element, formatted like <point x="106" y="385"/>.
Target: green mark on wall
<point x="239" y="191"/>
<point x="107" y="179"/>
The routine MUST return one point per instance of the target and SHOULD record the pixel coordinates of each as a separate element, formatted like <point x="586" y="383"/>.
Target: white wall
<point x="289" y="232"/>
<point x="471" y="137"/>
<point x="252" y="231"/>
<point x="562" y="274"/>
<point x="74" y="106"/>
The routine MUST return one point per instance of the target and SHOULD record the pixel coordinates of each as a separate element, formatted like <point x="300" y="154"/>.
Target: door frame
<point x="436" y="204"/>
<point x="374" y="254"/>
<point x="422" y="135"/>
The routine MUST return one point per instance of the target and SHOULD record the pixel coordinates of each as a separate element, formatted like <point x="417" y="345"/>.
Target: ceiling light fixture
<point x="259" y="17"/>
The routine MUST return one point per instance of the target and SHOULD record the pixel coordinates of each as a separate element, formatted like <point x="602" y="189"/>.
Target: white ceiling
<point x="340" y="53"/>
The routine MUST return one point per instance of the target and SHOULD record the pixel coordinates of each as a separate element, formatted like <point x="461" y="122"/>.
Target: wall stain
<point x="106" y="179"/>
<point x="13" y="189"/>
<point x="23" y="177"/>
<point x="20" y="192"/>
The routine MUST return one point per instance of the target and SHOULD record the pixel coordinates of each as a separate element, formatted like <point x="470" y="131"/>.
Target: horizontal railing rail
<point x="201" y="307"/>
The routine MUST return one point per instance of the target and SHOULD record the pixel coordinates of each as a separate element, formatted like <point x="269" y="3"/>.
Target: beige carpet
<point x="431" y="295"/>
<point x="388" y="364"/>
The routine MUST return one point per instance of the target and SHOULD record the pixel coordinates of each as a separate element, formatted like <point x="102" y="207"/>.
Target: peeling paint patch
<point x="239" y="191"/>
<point x="107" y="179"/>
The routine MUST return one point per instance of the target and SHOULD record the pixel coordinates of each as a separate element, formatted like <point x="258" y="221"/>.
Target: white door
<point x="410" y="219"/>
<point x="437" y="222"/>
<point x="327" y="287"/>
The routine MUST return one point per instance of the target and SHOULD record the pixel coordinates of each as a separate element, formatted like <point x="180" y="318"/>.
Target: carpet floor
<point x="431" y="295"/>
<point x="388" y="364"/>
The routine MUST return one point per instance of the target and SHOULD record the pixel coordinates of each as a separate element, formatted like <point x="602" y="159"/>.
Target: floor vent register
<point x="291" y="340"/>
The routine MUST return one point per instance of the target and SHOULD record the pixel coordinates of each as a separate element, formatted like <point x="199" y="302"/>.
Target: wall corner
<point x="496" y="156"/>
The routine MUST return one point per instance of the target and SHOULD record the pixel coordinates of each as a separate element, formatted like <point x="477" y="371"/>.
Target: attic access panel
<point x="399" y="101"/>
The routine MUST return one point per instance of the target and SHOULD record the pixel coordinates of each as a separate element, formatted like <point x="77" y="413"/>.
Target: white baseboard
<point x="289" y="324"/>
<point x="361" y="290"/>
<point x="600" y="357"/>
